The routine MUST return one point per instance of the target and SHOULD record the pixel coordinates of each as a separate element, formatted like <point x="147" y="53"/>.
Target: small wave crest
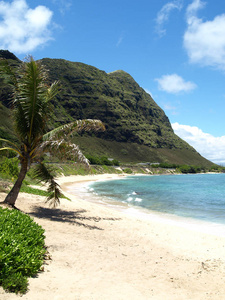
<point x="132" y="199"/>
<point x="138" y="200"/>
<point x="129" y="199"/>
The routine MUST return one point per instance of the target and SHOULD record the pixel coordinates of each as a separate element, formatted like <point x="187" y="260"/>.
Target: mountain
<point x="137" y="129"/>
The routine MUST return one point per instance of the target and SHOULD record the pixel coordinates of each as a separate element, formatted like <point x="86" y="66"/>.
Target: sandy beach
<point x="101" y="253"/>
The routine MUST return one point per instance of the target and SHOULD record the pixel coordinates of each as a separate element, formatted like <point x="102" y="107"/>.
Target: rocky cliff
<point x="134" y="122"/>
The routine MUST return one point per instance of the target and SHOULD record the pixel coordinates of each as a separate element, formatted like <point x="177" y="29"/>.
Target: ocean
<point x="198" y="196"/>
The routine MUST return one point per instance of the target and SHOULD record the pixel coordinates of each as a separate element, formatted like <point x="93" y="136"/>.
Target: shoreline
<point x="82" y="182"/>
<point x="99" y="253"/>
<point x="189" y="225"/>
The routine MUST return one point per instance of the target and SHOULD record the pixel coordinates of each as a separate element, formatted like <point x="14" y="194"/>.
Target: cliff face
<point x="134" y="122"/>
<point x="129" y="113"/>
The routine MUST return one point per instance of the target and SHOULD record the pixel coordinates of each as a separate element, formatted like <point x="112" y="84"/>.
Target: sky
<point x="175" y="50"/>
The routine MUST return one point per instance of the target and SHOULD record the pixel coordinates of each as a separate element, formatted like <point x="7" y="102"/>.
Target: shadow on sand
<point x="73" y="217"/>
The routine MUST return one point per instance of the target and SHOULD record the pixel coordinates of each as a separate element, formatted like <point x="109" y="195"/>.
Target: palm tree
<point x="31" y="109"/>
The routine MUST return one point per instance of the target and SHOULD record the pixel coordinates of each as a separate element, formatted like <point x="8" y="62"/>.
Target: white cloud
<point x="120" y="39"/>
<point x="63" y="5"/>
<point x="205" y="41"/>
<point x="164" y="13"/>
<point x="148" y="92"/>
<point x="23" y="29"/>
<point x="171" y="108"/>
<point x="209" y="146"/>
<point x="174" y="84"/>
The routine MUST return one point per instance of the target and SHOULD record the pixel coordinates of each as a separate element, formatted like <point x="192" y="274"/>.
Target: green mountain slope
<point x="130" y="114"/>
<point x="137" y="129"/>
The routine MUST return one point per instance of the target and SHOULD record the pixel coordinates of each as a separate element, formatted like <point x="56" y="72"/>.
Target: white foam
<point x="144" y="213"/>
<point x="138" y="200"/>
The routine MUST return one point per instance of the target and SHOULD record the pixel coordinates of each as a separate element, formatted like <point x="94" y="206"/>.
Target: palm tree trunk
<point x="13" y="194"/>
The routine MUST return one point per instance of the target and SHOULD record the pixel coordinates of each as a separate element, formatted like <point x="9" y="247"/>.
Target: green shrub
<point x="9" y="167"/>
<point x="168" y="166"/>
<point x="93" y="160"/>
<point x="21" y="249"/>
<point x="128" y="171"/>
<point x="185" y="169"/>
<point x="164" y="165"/>
<point x="16" y="283"/>
<point x="115" y="162"/>
<point x="103" y="160"/>
<point x="217" y="168"/>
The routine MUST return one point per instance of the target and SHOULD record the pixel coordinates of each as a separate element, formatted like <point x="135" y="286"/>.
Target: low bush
<point x="128" y="171"/>
<point x="186" y="169"/>
<point x="22" y="249"/>
<point x="164" y="165"/>
<point x="93" y="160"/>
<point x="103" y="160"/>
<point x="9" y="167"/>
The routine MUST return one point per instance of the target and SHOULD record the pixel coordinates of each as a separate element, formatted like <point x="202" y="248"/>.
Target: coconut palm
<point x="31" y="110"/>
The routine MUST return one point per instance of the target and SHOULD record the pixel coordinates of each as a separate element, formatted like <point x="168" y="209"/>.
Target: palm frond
<point x="14" y="148"/>
<point x="52" y="91"/>
<point x="21" y="121"/>
<point x="63" y="150"/>
<point x="46" y="174"/>
<point x="9" y="142"/>
<point x="32" y="100"/>
<point x="54" y="194"/>
<point x="31" y="110"/>
<point x="79" y="126"/>
<point x="58" y="142"/>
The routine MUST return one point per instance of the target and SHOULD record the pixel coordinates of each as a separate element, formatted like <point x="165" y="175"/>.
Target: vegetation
<point x="189" y="169"/>
<point x="103" y="160"/>
<point x="31" y="111"/>
<point x="137" y="131"/>
<point x="9" y="167"/>
<point x="165" y="165"/>
<point x="21" y="250"/>
<point x="137" y="128"/>
<point x="128" y="171"/>
<point x="133" y="153"/>
<point x="185" y="169"/>
<point x="128" y="112"/>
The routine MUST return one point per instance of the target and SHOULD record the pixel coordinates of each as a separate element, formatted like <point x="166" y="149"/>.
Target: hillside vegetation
<point x="137" y="129"/>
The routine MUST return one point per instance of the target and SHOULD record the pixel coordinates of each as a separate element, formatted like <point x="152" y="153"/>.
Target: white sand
<point x="102" y="254"/>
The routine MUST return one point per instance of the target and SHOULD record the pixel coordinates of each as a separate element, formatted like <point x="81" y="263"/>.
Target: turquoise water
<point x="199" y="196"/>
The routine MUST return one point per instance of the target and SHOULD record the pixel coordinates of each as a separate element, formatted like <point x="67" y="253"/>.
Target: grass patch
<point x="128" y="171"/>
<point x="71" y="169"/>
<point x="30" y="190"/>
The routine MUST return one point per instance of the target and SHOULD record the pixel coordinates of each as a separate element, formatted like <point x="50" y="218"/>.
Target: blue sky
<point x="175" y="50"/>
